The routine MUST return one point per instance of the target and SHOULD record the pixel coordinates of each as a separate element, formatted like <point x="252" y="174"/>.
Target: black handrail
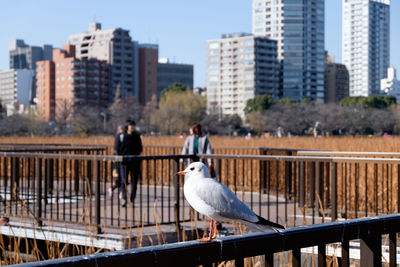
<point x="193" y="253"/>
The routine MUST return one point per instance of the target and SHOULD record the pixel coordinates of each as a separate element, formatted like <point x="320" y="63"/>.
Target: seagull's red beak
<point x="181" y="173"/>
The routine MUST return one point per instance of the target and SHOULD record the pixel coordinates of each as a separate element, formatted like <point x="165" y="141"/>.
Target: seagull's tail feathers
<point x="275" y="226"/>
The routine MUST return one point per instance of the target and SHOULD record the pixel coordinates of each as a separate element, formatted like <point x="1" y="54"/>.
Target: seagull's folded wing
<point x="224" y="201"/>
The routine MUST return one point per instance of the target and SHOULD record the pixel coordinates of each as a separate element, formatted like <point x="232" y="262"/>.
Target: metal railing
<point x="290" y="190"/>
<point x="368" y="231"/>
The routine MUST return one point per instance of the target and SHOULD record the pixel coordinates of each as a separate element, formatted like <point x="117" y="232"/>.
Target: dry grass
<point x="372" y="144"/>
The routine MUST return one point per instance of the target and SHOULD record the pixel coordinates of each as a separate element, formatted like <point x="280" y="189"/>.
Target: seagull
<point x="216" y="201"/>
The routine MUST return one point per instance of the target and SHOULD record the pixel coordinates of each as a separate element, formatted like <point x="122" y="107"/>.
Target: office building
<point x="298" y="28"/>
<point x="15" y="88"/>
<point x="169" y="73"/>
<point x="336" y="81"/>
<point x="66" y="82"/>
<point x="116" y="47"/>
<point x="366" y="44"/>
<point x="148" y="64"/>
<point x="239" y="67"/>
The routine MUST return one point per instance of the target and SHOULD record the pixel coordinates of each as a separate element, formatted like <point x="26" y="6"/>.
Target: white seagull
<point x="216" y="201"/>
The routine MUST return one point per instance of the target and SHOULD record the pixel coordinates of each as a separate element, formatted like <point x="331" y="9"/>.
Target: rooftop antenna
<point x="94" y="18"/>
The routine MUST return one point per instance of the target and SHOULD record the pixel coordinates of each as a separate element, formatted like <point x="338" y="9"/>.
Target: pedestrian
<point x="198" y="143"/>
<point x="131" y="146"/>
<point x="119" y="137"/>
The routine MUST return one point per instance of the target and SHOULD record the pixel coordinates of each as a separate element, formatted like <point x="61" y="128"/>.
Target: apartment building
<point x="239" y="67"/>
<point x="115" y="47"/>
<point x="67" y="82"/>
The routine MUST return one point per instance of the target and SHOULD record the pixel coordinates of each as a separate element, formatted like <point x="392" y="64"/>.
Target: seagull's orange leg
<point x="215" y="230"/>
<point x="209" y="238"/>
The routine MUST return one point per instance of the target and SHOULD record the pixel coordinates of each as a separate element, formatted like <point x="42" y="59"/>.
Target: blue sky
<point x="181" y="28"/>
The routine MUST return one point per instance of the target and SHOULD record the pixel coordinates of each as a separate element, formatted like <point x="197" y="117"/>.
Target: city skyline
<point x="180" y="29"/>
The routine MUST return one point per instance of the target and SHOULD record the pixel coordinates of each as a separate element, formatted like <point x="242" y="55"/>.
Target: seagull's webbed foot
<point x="213" y="232"/>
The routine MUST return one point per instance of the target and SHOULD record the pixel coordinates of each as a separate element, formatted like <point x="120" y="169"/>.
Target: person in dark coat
<point x="131" y="145"/>
<point x="119" y="137"/>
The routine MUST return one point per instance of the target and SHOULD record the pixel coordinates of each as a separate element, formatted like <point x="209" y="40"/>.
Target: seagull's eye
<point x="192" y="169"/>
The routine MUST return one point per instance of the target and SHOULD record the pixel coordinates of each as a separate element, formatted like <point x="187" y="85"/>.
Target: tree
<point x="258" y="103"/>
<point x="178" y="109"/>
<point x="174" y="88"/>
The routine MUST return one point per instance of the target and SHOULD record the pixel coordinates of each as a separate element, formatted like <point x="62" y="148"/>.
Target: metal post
<point x="392" y="250"/>
<point x="333" y="191"/>
<point x="371" y="250"/>
<point x="322" y="255"/>
<point x="38" y="213"/>
<point x="175" y="165"/>
<point x="345" y="262"/>
<point x="296" y="257"/>
<point x="97" y="195"/>
<point x="301" y="185"/>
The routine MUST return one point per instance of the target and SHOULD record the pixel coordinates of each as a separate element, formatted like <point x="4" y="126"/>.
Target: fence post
<point x="97" y="195"/>
<point x="175" y="165"/>
<point x="333" y="191"/>
<point x="288" y="175"/>
<point x="371" y="249"/>
<point x="14" y="178"/>
<point x="38" y="213"/>
<point x="301" y="184"/>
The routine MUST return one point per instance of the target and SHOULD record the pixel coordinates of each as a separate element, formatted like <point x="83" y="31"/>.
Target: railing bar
<point x="277" y="193"/>
<point x="295" y="197"/>
<point x="392" y="249"/>
<point x="269" y="259"/>
<point x="322" y="255"/>
<point x="345" y="260"/>
<point x="357" y="185"/>
<point x="251" y="184"/>
<point x="366" y="189"/>
<point x="239" y="262"/>
<point x="376" y="188"/>
<point x="162" y="190"/>
<point x="296" y="257"/>
<point x="345" y="190"/>
<point x="268" y="180"/>
<point x="260" y="187"/>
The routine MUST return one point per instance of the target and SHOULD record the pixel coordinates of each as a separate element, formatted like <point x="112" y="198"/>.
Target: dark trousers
<point x="132" y="168"/>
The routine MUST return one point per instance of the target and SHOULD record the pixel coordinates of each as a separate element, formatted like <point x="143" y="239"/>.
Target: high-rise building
<point x="66" y="82"/>
<point x="169" y="73"/>
<point x="116" y="47"/>
<point x="239" y="67"/>
<point x="148" y="64"/>
<point x="15" y="88"/>
<point x="365" y="44"/>
<point x="336" y="81"/>
<point x="24" y="56"/>
<point x="298" y="27"/>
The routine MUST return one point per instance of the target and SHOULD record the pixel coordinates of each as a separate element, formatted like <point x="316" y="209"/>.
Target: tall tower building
<point x="298" y="28"/>
<point x="115" y="46"/>
<point x="366" y="44"/>
<point x="239" y="67"/>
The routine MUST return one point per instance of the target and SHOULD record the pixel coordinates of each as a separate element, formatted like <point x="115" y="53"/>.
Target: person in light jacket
<point x="197" y="143"/>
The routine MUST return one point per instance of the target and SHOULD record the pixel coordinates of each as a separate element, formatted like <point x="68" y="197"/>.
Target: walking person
<point x="131" y="145"/>
<point x="119" y="137"/>
<point x="198" y="143"/>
